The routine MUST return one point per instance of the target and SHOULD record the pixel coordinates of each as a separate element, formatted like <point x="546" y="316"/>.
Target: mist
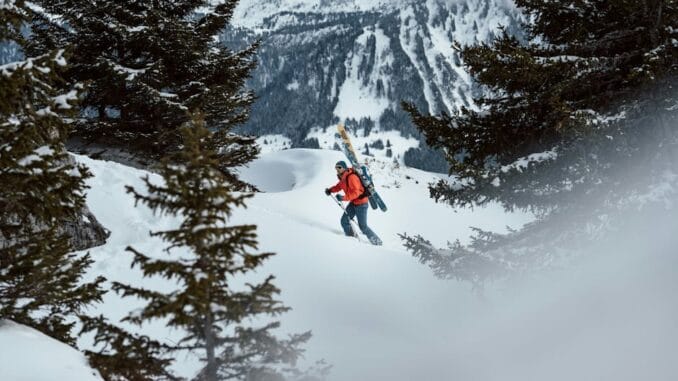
<point x="376" y="313"/>
<point x="611" y="315"/>
<point x="608" y="312"/>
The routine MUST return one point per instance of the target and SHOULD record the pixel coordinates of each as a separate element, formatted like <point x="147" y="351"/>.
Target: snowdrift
<point x="28" y="355"/>
<point x="368" y="307"/>
<point x="376" y="313"/>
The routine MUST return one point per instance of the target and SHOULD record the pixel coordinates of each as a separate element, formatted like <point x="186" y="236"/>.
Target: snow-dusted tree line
<point x="147" y="78"/>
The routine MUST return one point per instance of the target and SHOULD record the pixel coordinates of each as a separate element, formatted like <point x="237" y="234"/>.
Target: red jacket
<point x="351" y="186"/>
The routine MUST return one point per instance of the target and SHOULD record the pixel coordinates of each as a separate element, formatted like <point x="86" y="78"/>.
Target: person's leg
<point x="346" y="220"/>
<point x="361" y="213"/>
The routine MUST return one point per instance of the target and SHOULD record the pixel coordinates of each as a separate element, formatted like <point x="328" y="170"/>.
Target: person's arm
<point x="336" y="188"/>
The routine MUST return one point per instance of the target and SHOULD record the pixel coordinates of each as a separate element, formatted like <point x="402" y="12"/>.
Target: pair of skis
<point x="361" y="169"/>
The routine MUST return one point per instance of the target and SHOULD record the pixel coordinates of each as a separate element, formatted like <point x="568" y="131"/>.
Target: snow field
<point x="375" y="312"/>
<point x="28" y="355"/>
<point x="362" y="303"/>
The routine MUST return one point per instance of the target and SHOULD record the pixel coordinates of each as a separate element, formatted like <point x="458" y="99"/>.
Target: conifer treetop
<point x="205" y="257"/>
<point x="147" y="65"/>
<point x="574" y="123"/>
<point x="40" y="279"/>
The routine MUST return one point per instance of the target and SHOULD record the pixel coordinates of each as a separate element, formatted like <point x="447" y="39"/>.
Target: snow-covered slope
<point x="364" y="304"/>
<point x="377" y="314"/>
<point x="28" y="355"/>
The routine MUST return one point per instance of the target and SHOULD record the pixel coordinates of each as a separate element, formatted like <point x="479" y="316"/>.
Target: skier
<point x="354" y="191"/>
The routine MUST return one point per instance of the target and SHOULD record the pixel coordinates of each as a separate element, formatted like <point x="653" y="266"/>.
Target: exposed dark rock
<point x="85" y="232"/>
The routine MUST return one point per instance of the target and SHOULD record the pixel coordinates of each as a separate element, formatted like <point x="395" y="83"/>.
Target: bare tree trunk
<point x="211" y="368"/>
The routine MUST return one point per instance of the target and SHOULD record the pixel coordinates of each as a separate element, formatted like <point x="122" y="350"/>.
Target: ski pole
<point x="350" y="220"/>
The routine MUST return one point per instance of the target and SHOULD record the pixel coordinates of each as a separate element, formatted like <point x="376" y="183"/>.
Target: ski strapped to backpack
<point x="360" y="169"/>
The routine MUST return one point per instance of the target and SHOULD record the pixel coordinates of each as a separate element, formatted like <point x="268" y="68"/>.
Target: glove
<point x="340" y="197"/>
<point x="327" y="191"/>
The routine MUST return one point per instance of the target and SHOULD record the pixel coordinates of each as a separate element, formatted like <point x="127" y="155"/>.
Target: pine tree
<point x="125" y="356"/>
<point x="207" y="306"/>
<point x="569" y="118"/>
<point x="40" y="281"/>
<point x="147" y="64"/>
<point x="366" y="152"/>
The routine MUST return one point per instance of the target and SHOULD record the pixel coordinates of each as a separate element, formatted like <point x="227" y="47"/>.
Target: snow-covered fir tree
<point x="121" y="355"/>
<point x="208" y="306"/>
<point x="572" y="119"/>
<point x="40" y="280"/>
<point x="146" y="65"/>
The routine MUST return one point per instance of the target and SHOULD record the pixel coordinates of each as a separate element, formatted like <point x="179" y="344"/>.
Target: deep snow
<point x="28" y="355"/>
<point x="368" y="307"/>
<point x="377" y="314"/>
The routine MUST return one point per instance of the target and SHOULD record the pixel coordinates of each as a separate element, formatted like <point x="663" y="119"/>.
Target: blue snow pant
<point x="359" y="211"/>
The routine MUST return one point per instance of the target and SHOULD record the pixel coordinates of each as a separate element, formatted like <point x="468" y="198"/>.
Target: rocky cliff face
<point x="85" y="232"/>
<point x="355" y="61"/>
<point x="82" y="230"/>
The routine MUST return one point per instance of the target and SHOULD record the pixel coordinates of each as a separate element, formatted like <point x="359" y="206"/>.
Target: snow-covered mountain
<point x="327" y="61"/>
<point x="322" y="62"/>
